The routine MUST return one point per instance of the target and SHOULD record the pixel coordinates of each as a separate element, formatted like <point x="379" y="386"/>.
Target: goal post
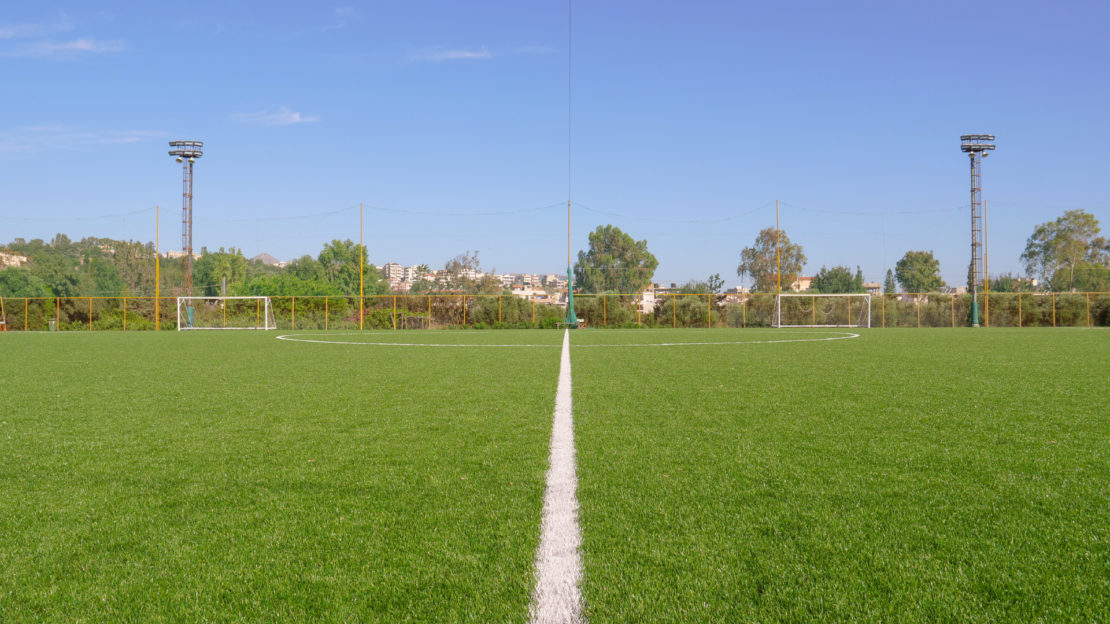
<point x="823" y="310"/>
<point x="225" y="313"/>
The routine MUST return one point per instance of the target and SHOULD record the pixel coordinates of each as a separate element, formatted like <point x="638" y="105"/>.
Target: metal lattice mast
<point x="976" y="146"/>
<point x="187" y="153"/>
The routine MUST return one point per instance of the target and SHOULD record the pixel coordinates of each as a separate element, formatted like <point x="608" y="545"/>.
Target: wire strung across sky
<point x="668" y="220"/>
<point x="875" y="213"/>
<point x="496" y="213"/>
<point x="71" y="219"/>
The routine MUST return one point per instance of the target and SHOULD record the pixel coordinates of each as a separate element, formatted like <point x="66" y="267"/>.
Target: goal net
<point x="805" y="310"/>
<point x="225" y="313"/>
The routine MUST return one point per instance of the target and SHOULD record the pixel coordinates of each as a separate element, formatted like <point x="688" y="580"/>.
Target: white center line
<point x="557" y="598"/>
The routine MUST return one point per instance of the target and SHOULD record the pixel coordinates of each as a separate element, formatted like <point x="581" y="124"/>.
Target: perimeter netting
<point x="225" y="313"/>
<point x="802" y="310"/>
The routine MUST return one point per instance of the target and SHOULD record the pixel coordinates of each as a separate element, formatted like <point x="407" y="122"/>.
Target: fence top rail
<point x="86" y="297"/>
<point x="804" y="294"/>
<point x="577" y="294"/>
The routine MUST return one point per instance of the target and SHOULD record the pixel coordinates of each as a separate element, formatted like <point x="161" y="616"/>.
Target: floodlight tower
<point x="187" y="152"/>
<point x="976" y="146"/>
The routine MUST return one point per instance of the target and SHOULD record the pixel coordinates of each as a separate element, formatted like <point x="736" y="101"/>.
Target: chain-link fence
<point x="703" y="310"/>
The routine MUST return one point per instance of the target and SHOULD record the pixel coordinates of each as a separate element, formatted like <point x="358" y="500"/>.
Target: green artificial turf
<point x="909" y="475"/>
<point x="905" y="476"/>
<point x="229" y="476"/>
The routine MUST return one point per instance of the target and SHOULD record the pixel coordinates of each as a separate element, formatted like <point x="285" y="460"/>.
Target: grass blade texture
<point x="229" y="476"/>
<point x="904" y="476"/>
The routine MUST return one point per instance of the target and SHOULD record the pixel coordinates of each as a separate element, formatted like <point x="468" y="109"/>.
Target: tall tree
<point x="135" y="262"/>
<point x="1006" y="282"/>
<point x="463" y="273"/>
<point x="284" y="285"/>
<point x="760" y="262"/>
<point x="103" y="276"/>
<point x="211" y="268"/>
<point x="918" y="272"/>
<point x="838" y="279"/>
<point x="339" y="260"/>
<point x="59" y="273"/>
<point x="20" y="282"/>
<point x="712" y="284"/>
<point x="888" y="284"/>
<point x="1091" y="277"/>
<point x="615" y="262"/>
<point x="306" y="268"/>
<point x="1057" y="249"/>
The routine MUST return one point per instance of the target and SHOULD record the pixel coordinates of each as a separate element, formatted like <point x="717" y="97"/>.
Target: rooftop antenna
<point x="187" y="153"/>
<point x="976" y="146"/>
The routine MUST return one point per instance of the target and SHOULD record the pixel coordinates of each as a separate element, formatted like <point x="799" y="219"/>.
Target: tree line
<point x="105" y="267"/>
<point x="1065" y="255"/>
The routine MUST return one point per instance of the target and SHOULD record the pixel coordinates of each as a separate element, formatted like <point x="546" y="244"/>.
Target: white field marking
<point x="836" y="336"/>
<point x="296" y="338"/>
<point x="557" y="598"/>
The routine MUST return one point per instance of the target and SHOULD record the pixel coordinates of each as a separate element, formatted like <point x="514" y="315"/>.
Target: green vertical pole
<point x="572" y="319"/>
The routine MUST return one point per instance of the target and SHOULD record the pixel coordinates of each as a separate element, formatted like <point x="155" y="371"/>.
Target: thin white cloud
<point x="66" y="49"/>
<point x="32" y="41"/>
<point x="342" y="17"/>
<point x="281" y="117"/>
<point x="439" y="56"/>
<point x="60" y="137"/>
<point x="24" y="31"/>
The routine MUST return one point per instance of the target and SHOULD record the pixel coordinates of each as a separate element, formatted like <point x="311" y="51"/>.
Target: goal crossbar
<point x="225" y="313"/>
<point x="855" y="311"/>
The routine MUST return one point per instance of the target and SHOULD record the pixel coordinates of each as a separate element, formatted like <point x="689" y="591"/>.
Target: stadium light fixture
<point x="977" y="147"/>
<point x="187" y="152"/>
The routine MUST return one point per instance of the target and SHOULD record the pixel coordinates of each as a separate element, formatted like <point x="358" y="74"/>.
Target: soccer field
<point x="723" y="475"/>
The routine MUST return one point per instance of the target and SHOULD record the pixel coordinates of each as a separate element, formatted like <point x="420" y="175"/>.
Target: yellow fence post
<point x="394" y="312"/>
<point x="257" y="313"/>
<point x="58" y="313"/>
<point x="987" y="307"/>
<point x="125" y="314"/>
<point x="1054" y="309"/>
<point x="90" y="313"/>
<point x="918" y="297"/>
<point x="674" y="312"/>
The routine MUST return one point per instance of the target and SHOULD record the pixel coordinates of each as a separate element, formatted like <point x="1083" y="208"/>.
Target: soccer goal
<point x="225" y="313"/>
<point x="813" y="310"/>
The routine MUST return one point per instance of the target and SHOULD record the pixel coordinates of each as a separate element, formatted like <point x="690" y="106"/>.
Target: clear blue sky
<point x="449" y="121"/>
